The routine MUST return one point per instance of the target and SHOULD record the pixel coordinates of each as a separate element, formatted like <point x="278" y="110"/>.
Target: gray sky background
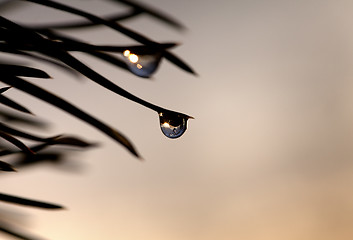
<point x="268" y="155"/>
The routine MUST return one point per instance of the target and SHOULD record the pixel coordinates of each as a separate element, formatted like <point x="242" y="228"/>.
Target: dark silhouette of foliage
<point x="34" y="42"/>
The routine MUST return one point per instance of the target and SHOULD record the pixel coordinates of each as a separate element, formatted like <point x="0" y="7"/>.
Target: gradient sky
<point x="268" y="155"/>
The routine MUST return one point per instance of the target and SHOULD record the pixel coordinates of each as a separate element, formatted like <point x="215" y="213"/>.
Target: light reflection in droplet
<point x="143" y="65"/>
<point x="173" y="125"/>
<point x="133" y="58"/>
<point x="126" y="53"/>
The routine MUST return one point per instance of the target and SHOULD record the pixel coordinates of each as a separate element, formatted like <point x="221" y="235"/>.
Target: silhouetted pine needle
<point x="80" y="24"/>
<point x="102" y="56"/>
<point x="137" y="9"/>
<point x="8" y="49"/>
<point x="7" y="152"/>
<point x="40" y="147"/>
<point x="16" y="142"/>
<point x="14" y="232"/>
<point x="35" y="149"/>
<point x="28" y="202"/>
<point x="55" y="158"/>
<point x="68" y="107"/>
<point x="23" y="134"/>
<point x="24" y="119"/>
<point x="4" y="89"/>
<point x="109" y="58"/>
<point x="10" y="103"/>
<point x="23" y="71"/>
<point x="69" y="44"/>
<point x="47" y="142"/>
<point x="56" y="140"/>
<point x="152" y="12"/>
<point x="4" y="166"/>
<point x="84" y="47"/>
<point x="70" y="141"/>
<point x="128" y="32"/>
<point x="96" y="77"/>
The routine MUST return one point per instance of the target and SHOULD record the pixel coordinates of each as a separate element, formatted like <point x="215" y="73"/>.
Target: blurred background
<point x="268" y="155"/>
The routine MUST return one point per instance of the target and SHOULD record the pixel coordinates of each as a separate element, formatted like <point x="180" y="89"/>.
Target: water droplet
<point x="173" y="124"/>
<point x="142" y="65"/>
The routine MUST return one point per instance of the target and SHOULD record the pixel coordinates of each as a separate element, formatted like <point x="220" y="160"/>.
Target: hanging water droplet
<point x="173" y="124"/>
<point x="143" y="65"/>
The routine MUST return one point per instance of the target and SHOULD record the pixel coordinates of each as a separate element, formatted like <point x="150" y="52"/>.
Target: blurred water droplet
<point x="173" y="125"/>
<point x="142" y="65"/>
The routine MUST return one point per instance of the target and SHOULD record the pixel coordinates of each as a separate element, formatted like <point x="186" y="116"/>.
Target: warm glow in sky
<point x="267" y="157"/>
